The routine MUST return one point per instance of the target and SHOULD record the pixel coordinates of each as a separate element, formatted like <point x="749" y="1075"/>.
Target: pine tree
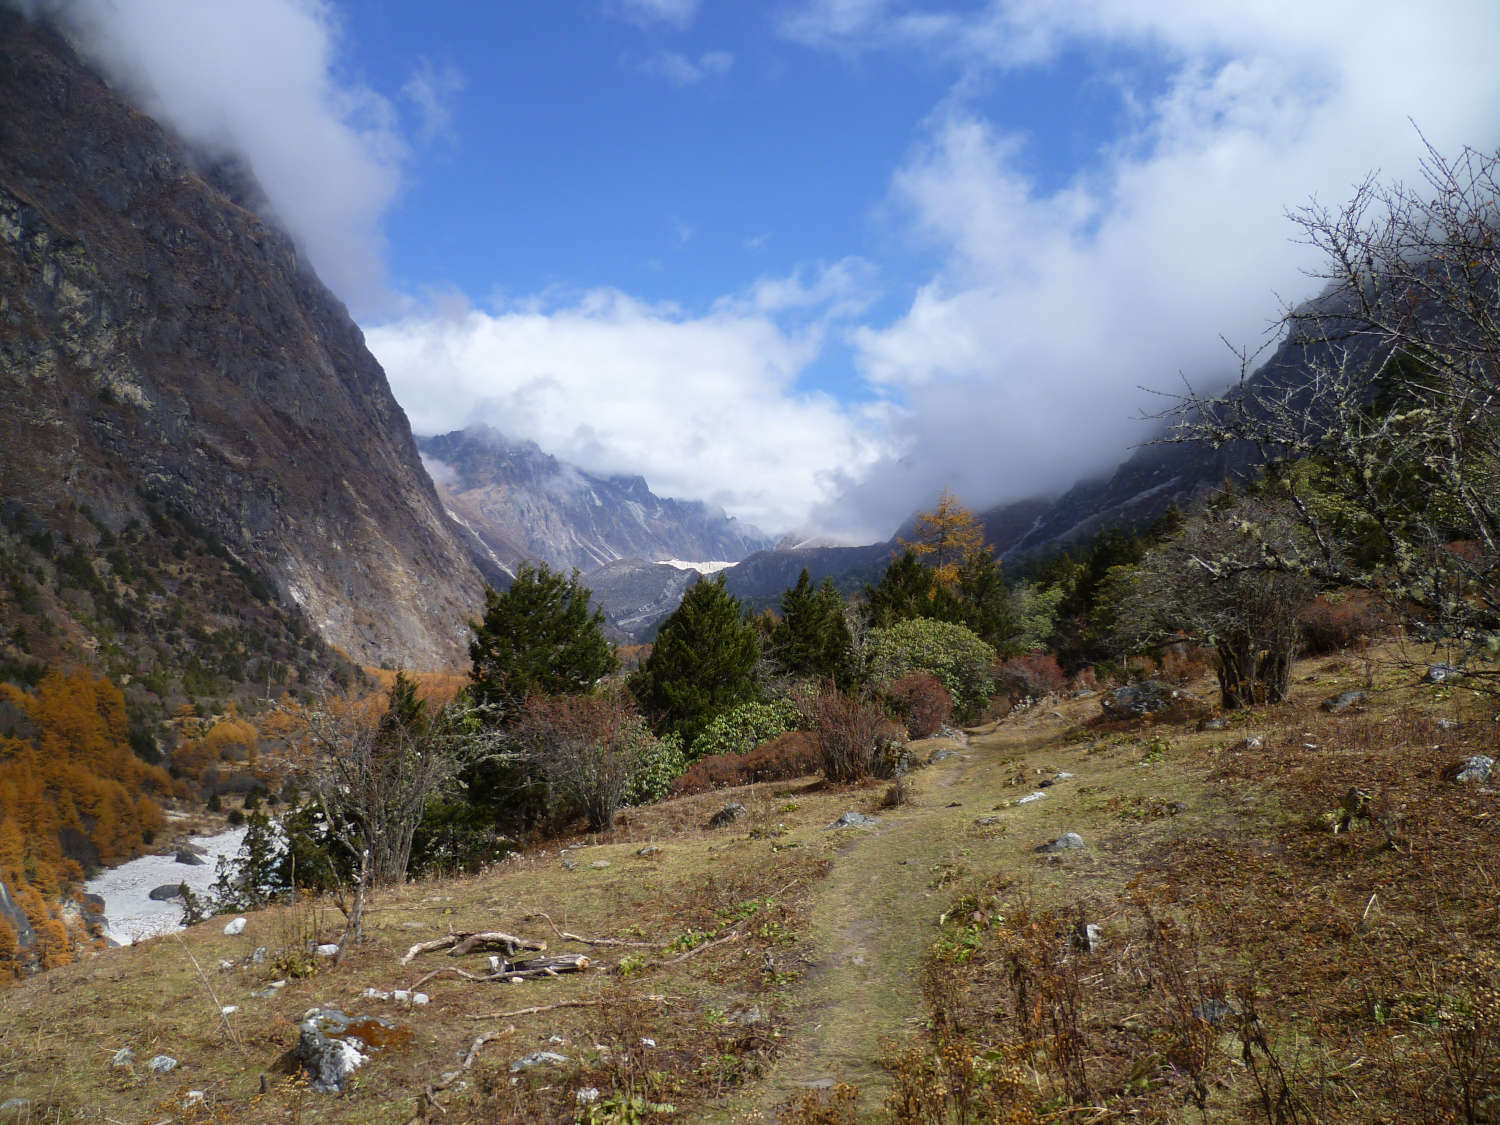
<point x="812" y="638"/>
<point x="703" y="661"/>
<point x="537" y="638"/>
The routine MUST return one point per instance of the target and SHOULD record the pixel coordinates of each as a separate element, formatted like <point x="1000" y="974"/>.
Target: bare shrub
<point x="848" y="731"/>
<point x="587" y="749"/>
<point x="1033" y="674"/>
<point x="921" y="702"/>
<point x="1331" y="624"/>
<point x="794" y="754"/>
<point x="1184" y="663"/>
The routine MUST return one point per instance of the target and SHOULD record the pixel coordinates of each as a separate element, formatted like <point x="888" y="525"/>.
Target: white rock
<point x="376" y="994"/>
<point x="229" y="1009"/>
<point x="401" y="996"/>
<point x="235" y="927"/>
<point x="420" y="998"/>
<point x="1026" y="800"/>
<point x="645" y="1042"/>
<point x="328" y="949"/>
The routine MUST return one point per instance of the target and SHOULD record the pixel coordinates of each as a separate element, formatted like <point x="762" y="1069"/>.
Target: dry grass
<point x="927" y="969"/>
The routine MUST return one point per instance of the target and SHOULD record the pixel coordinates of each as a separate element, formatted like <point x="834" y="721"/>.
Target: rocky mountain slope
<point x="526" y="504"/>
<point x="164" y="350"/>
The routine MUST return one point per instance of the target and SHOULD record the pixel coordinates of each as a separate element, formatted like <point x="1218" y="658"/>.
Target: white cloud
<point x="674" y="13"/>
<point x="431" y="90"/>
<point x="1020" y="357"/>
<point x="682" y="70"/>
<point x="704" y="406"/>
<point x="260" y="80"/>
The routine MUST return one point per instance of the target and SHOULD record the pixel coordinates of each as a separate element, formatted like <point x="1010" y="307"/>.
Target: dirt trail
<point x="875" y="917"/>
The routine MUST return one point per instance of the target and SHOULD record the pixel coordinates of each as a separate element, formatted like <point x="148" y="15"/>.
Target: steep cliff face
<point x="161" y="343"/>
<point x="526" y="504"/>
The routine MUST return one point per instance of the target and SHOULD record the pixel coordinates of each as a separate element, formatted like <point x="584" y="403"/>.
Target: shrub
<point x="921" y="702"/>
<point x="952" y="653"/>
<point x="661" y="762"/>
<point x="793" y="754"/>
<point x="1331" y="623"/>
<point x="587" y="748"/>
<point x="1033" y="674"/>
<point x="744" y="727"/>
<point x="849" y="733"/>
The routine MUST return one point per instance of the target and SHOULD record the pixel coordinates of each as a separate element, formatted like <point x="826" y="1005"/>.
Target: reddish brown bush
<point x="1032" y="673"/>
<point x="849" y="732"/>
<point x="790" y="755"/>
<point x="1330" y="625"/>
<point x="1184" y="663"/>
<point x="921" y="702"/>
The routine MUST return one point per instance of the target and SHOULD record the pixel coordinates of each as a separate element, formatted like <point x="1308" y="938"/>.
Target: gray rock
<point x="166" y="892"/>
<point x="1068" y="841"/>
<point x="1144" y="698"/>
<point x="1345" y="701"/>
<point x="160" y="1064"/>
<point x="1252" y="742"/>
<point x="1441" y="674"/>
<point x="744" y="1017"/>
<point x="1447" y="724"/>
<point x="258" y="957"/>
<point x="1215" y="1012"/>
<point x="987" y="822"/>
<point x="649" y="849"/>
<point x="1216" y="724"/>
<point x="537" y="1058"/>
<point x="727" y="815"/>
<point x="854" y="820"/>
<point x="1479" y="769"/>
<point x="568" y="864"/>
<point x="600" y="864"/>
<point x="327" y="1057"/>
<point x="122" y="1058"/>
<point x="236" y="926"/>
<point x="191" y="859"/>
<point x="941" y="756"/>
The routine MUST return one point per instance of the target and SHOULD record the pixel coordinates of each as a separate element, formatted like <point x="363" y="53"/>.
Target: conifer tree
<point x="537" y="638"/>
<point x="812" y="638"/>
<point x="945" y="538"/>
<point x="703" y="661"/>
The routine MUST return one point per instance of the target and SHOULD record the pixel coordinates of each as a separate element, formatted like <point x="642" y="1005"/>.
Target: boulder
<point x="160" y="1064"/>
<point x="327" y="1050"/>
<point x="537" y="1058"/>
<point x="1144" y="698"/>
<point x="1068" y="841"/>
<point x="166" y="892"/>
<point x="727" y="815"/>
<point x="191" y="859"/>
<point x="1477" y="769"/>
<point x="237" y="926"/>
<point x="1345" y="701"/>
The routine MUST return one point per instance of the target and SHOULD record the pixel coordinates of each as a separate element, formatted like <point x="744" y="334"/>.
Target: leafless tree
<point x="372" y="767"/>
<point x="1235" y="579"/>
<point x="586" y="748"/>
<point x="1379" y="416"/>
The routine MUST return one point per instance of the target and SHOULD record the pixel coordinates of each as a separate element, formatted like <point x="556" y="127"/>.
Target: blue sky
<point x="811" y="260"/>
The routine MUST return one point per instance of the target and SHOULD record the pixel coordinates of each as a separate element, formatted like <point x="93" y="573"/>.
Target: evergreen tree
<point x="703" y="661"/>
<point x="985" y="605"/>
<point x="812" y="637"/>
<point x="907" y="590"/>
<point x="537" y="638"/>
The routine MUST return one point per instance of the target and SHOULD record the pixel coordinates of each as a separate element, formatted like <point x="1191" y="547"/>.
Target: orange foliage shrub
<point x="921" y="702"/>
<point x="1032" y="673"/>
<point x="793" y="754"/>
<point x="1331" y="626"/>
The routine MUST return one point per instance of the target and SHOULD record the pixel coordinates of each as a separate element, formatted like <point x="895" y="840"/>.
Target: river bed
<point x="126" y="890"/>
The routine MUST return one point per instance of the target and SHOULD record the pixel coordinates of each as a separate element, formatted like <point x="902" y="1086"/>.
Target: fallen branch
<point x="539" y="1008"/>
<point x="697" y="949"/>
<point x="564" y="935"/>
<point x="536" y="967"/>
<point x="470" y="940"/>
<point x="453" y="1076"/>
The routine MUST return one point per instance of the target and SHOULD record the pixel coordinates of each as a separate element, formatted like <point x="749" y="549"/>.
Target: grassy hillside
<point x="1248" y="962"/>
